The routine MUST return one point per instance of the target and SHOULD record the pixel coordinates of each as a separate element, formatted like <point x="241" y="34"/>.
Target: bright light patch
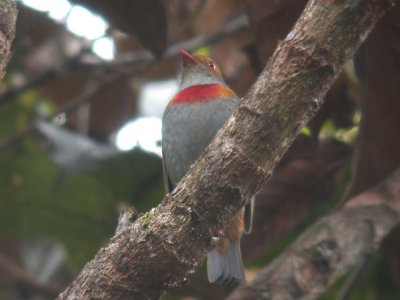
<point x="154" y="97"/>
<point x="143" y="132"/>
<point x="104" y="48"/>
<point x="59" y="9"/>
<point x="82" y="22"/>
<point x="40" y="5"/>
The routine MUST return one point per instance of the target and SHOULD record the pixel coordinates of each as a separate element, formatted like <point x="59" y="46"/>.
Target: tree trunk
<point x="330" y="247"/>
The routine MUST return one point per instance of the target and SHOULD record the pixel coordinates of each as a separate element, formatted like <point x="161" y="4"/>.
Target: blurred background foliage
<point x="80" y="112"/>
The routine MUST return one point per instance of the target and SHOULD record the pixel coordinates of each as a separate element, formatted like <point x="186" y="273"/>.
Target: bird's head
<point x="199" y="69"/>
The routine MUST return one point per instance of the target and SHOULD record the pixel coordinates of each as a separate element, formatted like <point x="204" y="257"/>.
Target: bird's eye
<point x="211" y="65"/>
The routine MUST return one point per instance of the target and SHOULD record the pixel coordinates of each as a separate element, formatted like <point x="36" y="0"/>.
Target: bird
<point x="191" y="119"/>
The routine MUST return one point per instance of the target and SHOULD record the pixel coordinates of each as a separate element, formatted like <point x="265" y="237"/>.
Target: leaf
<point x="144" y="18"/>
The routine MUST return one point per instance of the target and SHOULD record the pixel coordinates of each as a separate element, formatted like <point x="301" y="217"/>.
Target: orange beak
<point x="187" y="59"/>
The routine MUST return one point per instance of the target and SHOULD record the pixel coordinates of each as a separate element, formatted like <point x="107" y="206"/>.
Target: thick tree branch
<point x="161" y="249"/>
<point x="330" y="247"/>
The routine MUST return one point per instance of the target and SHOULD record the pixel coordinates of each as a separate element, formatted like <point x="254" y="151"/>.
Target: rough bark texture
<point x="329" y="248"/>
<point x="161" y="249"/>
<point x="8" y="17"/>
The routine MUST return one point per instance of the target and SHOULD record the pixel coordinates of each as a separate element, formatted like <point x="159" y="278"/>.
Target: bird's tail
<point x="226" y="268"/>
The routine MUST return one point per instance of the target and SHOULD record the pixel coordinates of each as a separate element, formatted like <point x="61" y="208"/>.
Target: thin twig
<point x="46" y="76"/>
<point x="127" y="67"/>
<point x="231" y="27"/>
<point x="91" y="90"/>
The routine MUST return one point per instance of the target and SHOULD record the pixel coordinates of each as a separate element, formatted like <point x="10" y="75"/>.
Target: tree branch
<point x="91" y="90"/>
<point x="140" y="58"/>
<point x="161" y="249"/>
<point x="8" y="17"/>
<point x="18" y="277"/>
<point x="48" y="75"/>
<point x="330" y="247"/>
<point x="124" y="67"/>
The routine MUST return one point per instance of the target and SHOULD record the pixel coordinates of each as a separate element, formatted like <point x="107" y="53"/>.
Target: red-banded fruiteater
<point x="191" y="120"/>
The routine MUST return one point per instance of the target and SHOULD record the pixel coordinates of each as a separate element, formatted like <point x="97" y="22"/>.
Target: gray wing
<point x="168" y="186"/>
<point x="167" y="182"/>
<point x="248" y="215"/>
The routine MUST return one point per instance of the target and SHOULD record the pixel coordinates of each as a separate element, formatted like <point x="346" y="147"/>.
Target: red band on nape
<point x="204" y="92"/>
